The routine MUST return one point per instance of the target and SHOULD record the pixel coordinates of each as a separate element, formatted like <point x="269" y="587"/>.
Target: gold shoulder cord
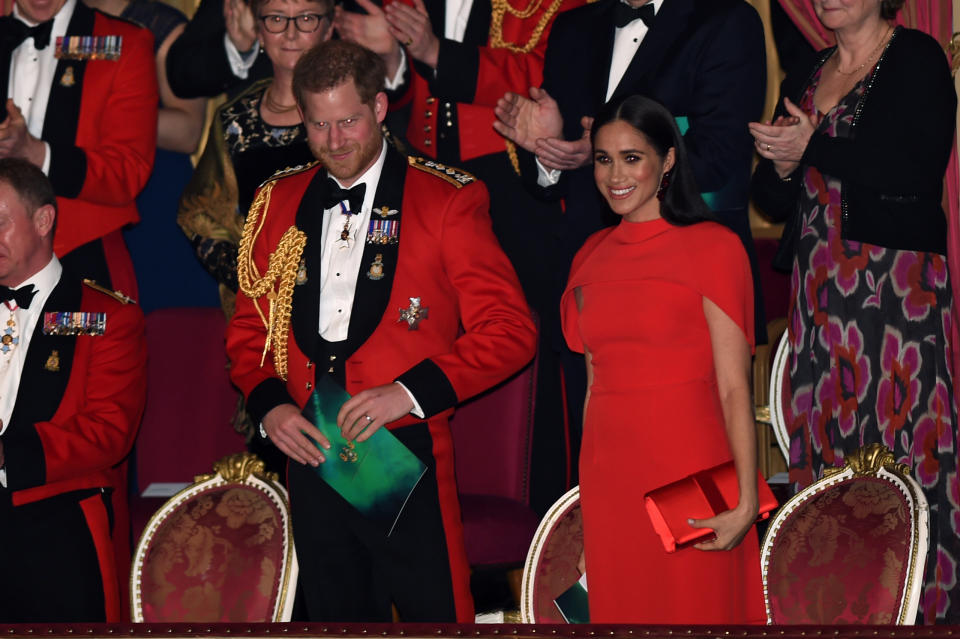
<point x="502" y="7"/>
<point x="277" y="283"/>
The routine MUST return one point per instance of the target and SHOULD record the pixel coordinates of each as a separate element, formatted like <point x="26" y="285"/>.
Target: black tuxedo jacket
<point x="703" y="59"/>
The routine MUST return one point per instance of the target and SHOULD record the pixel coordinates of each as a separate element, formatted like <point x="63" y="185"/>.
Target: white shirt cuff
<point x="397" y="80"/>
<point x="239" y="64"/>
<point x="46" y="160"/>
<point x="547" y="177"/>
<point x="3" y="477"/>
<point x="416" y="411"/>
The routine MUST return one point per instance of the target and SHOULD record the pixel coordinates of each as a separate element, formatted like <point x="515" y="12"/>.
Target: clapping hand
<point x="241" y="24"/>
<point x="411" y="27"/>
<point x="785" y="140"/>
<point x="370" y="30"/>
<point x="15" y="138"/>
<point x="526" y="120"/>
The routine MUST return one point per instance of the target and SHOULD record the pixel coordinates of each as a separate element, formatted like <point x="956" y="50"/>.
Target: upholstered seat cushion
<point x="497" y="530"/>
<point x="842" y="556"/>
<point x="216" y="559"/>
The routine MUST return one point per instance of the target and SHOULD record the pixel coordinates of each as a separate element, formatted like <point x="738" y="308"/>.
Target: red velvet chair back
<point x="221" y="550"/>
<point x="551" y="565"/>
<point x="492" y="446"/>
<point x="190" y="401"/>
<point x="850" y="548"/>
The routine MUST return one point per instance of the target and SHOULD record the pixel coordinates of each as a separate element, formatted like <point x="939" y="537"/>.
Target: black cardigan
<point x="892" y="166"/>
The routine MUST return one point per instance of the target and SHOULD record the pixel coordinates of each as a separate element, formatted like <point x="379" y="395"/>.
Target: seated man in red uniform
<point x="78" y="98"/>
<point x="72" y="390"/>
<point x="382" y="317"/>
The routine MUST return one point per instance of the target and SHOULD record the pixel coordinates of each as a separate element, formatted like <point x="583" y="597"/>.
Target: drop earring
<point x="664" y="185"/>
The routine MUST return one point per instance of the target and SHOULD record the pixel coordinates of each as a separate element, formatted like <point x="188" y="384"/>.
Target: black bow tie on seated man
<point x="14" y="31"/>
<point x="22" y="296"/>
<point x="624" y="14"/>
<point x="335" y="195"/>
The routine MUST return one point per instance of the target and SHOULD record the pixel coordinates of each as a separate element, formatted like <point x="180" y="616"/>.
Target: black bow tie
<point x="624" y="14"/>
<point x="22" y="296"/>
<point x="13" y="32"/>
<point x="336" y="195"/>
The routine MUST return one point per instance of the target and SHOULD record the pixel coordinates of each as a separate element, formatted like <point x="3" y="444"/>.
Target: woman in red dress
<point x="662" y="307"/>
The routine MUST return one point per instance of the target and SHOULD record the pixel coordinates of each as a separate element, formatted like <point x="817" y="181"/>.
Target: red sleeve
<point x="726" y="279"/>
<point x="569" y="313"/>
<point x="117" y="132"/>
<point x="499" y="334"/>
<point x="98" y="435"/>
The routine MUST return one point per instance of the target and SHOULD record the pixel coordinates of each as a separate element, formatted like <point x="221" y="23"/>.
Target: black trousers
<point x="51" y="571"/>
<point x="350" y="571"/>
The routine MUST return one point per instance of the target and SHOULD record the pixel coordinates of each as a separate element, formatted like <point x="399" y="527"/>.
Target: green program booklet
<point x="375" y="476"/>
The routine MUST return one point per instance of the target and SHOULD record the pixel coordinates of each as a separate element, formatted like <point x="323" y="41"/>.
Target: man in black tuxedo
<point x="703" y="59"/>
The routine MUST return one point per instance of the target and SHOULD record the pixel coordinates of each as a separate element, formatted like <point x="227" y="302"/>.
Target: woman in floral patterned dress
<point x="856" y="160"/>
<point x="252" y="136"/>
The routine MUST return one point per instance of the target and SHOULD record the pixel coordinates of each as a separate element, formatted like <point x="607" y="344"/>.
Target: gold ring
<point x="768" y="147"/>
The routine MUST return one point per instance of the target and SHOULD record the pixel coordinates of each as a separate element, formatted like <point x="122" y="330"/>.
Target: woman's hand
<point x="784" y="140"/>
<point x="241" y="24"/>
<point x="730" y="526"/>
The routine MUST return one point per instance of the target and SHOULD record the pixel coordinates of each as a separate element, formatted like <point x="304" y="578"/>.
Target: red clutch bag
<point x="699" y="496"/>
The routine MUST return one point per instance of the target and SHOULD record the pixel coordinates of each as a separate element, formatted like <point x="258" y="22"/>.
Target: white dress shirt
<point x="32" y="71"/>
<point x="626" y="41"/>
<point x="45" y="280"/>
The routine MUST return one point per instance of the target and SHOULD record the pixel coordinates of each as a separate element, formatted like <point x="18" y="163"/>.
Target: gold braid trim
<point x="277" y="283"/>
<point x="502" y="7"/>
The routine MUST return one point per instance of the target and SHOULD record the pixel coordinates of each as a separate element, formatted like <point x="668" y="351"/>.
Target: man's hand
<point x="288" y="430"/>
<point x="411" y="27"/>
<point x="241" y="24"/>
<point x="361" y="415"/>
<point x="561" y="155"/>
<point x="526" y="120"/>
<point x="370" y="30"/>
<point x="15" y="139"/>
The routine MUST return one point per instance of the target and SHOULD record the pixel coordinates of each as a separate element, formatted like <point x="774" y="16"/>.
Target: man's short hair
<point x="29" y="182"/>
<point x="331" y="63"/>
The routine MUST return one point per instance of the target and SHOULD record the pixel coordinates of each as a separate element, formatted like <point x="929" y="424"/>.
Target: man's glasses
<point x="305" y="22"/>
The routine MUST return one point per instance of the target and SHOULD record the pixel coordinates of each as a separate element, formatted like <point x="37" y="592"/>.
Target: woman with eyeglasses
<point x="252" y="136"/>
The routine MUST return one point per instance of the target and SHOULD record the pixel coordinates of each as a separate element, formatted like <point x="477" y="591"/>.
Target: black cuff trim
<point x="24" y="459"/>
<point x="458" y="67"/>
<point x="266" y="396"/>
<point x="430" y="387"/>
<point x="68" y="169"/>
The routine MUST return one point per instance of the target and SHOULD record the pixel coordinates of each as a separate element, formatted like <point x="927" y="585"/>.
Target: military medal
<point x="413" y="314"/>
<point x="74" y="323"/>
<point x="383" y="232"/>
<point x="376" y="268"/>
<point x="53" y="362"/>
<point x="67" y="79"/>
<point x="88" y="48"/>
<point x="302" y="273"/>
<point x="9" y="339"/>
<point x="345" y="233"/>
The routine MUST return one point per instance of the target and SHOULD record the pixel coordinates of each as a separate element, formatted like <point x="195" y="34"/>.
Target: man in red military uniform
<point x="78" y="98"/>
<point x="72" y="390"/>
<point x="382" y="317"/>
<point x="448" y="59"/>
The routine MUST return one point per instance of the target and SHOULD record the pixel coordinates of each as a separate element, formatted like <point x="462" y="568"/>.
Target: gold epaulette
<point x="457" y="177"/>
<point x="117" y="295"/>
<point x="290" y="170"/>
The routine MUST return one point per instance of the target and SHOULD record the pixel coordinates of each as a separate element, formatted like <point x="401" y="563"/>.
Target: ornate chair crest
<point x="551" y="565"/>
<point x="220" y="550"/>
<point x="849" y="548"/>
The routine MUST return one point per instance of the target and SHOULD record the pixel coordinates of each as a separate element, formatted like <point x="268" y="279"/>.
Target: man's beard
<point x="355" y="164"/>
